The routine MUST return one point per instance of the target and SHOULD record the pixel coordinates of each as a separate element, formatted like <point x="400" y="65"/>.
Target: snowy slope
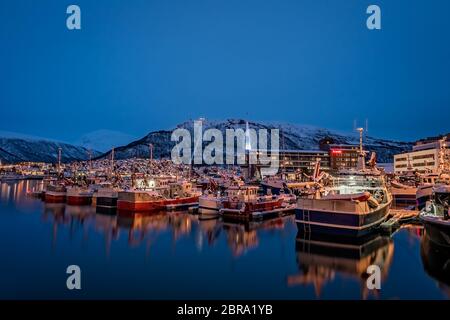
<point x="17" y="147"/>
<point x="294" y="137"/>
<point x="103" y="140"/>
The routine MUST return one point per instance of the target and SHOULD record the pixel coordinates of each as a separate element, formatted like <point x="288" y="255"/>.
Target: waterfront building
<point x="425" y="156"/>
<point x="292" y="163"/>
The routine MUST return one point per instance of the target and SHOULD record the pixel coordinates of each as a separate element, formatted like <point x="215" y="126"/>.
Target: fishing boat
<point x="402" y="194"/>
<point x="79" y="196"/>
<point x="55" y="193"/>
<point x="354" y="207"/>
<point x="243" y="202"/>
<point x="216" y="193"/>
<point x="210" y="203"/>
<point x="425" y="189"/>
<point x="403" y="187"/>
<point x="436" y="216"/>
<point x="164" y="195"/>
<point x="106" y="199"/>
<point x="356" y="203"/>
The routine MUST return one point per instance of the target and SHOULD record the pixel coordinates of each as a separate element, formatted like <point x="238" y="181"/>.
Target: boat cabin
<point x="180" y="189"/>
<point x="150" y="183"/>
<point x="242" y="193"/>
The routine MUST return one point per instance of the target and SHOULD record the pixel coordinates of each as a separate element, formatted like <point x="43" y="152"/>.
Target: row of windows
<point x="302" y="159"/>
<point x="423" y="164"/>
<point x="345" y="160"/>
<point x="425" y="156"/>
<point x="301" y="163"/>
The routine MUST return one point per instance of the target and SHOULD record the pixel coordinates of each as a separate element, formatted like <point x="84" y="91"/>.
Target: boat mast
<point x="361" y="164"/>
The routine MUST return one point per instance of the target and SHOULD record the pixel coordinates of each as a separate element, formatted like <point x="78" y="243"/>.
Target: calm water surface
<point x="178" y="256"/>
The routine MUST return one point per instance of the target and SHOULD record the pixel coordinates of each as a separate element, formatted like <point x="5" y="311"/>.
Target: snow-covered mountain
<point x="103" y="140"/>
<point x="17" y="147"/>
<point x="294" y="137"/>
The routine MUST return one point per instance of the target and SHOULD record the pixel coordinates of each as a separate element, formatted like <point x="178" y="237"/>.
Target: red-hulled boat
<point x="79" y="196"/>
<point x="243" y="202"/>
<point x="55" y="193"/>
<point x="163" y="195"/>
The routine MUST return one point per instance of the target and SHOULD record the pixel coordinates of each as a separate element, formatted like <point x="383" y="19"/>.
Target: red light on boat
<point x="336" y="151"/>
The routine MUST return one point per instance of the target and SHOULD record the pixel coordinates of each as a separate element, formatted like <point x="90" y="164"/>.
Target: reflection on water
<point x="242" y="237"/>
<point x="179" y="255"/>
<point x="320" y="259"/>
<point x="436" y="261"/>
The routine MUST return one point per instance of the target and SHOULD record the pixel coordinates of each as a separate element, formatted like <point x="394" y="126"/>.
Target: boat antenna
<point x="361" y="164"/>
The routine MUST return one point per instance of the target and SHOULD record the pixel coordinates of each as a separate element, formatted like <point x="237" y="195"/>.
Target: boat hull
<point x="79" y="200"/>
<point x="155" y="205"/>
<point x="110" y="202"/>
<point x="404" y="197"/>
<point x="423" y="195"/>
<point x="437" y="229"/>
<point x="340" y="224"/>
<point x="55" y="197"/>
<point x="209" y="206"/>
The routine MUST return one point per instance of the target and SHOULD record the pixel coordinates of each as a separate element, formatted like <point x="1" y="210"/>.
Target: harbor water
<point x="178" y="255"/>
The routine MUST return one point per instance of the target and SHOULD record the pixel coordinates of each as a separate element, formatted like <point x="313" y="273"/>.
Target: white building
<point x="426" y="157"/>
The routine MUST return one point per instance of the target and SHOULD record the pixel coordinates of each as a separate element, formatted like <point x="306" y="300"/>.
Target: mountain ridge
<point x="17" y="147"/>
<point x="292" y="137"/>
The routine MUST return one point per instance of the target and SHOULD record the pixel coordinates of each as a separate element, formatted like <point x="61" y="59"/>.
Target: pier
<point x="397" y="218"/>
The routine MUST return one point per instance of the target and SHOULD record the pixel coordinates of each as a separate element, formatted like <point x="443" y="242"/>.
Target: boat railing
<point x="334" y="205"/>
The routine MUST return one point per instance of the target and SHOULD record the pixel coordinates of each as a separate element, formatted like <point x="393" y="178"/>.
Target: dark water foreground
<point x="178" y="256"/>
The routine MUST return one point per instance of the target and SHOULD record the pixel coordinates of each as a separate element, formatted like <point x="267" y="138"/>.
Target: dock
<point x="397" y="218"/>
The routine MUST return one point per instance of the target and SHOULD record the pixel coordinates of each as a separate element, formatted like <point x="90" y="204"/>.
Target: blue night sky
<point x="138" y="66"/>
